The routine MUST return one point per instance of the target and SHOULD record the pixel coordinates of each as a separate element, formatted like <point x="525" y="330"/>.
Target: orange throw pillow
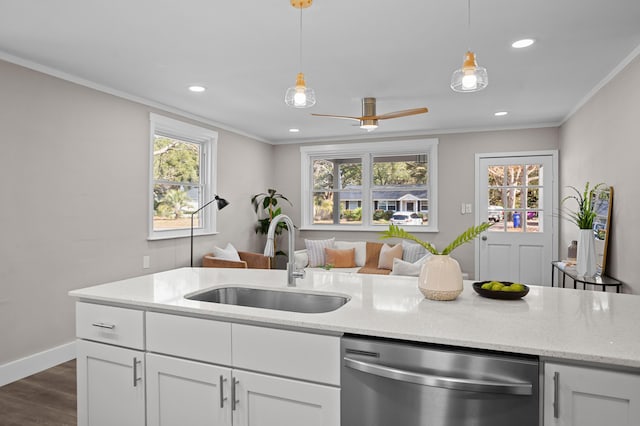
<point x="340" y="258"/>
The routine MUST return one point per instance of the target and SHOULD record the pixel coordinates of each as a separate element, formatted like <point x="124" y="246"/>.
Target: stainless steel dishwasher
<point x="392" y="383"/>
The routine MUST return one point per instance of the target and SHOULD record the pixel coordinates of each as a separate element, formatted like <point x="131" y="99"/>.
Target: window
<point x="182" y="178"/>
<point x="360" y="186"/>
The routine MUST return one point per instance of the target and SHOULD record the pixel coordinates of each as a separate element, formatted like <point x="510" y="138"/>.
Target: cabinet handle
<point x="136" y="379"/>
<point x="104" y="325"/>
<point x="556" y="391"/>
<point x="234" y="401"/>
<point x="222" y="398"/>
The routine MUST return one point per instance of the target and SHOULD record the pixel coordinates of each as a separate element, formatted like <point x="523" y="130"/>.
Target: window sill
<point x="175" y="236"/>
<point x="371" y="228"/>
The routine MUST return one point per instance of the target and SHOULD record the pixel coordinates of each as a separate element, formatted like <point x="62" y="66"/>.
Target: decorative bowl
<point x="502" y="295"/>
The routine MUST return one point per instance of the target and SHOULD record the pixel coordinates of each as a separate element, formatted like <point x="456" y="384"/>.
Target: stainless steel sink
<point x="292" y="301"/>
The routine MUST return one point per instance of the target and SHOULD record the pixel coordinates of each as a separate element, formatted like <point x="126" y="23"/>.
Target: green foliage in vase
<point x="470" y="234"/>
<point x="266" y="204"/>
<point x="585" y="214"/>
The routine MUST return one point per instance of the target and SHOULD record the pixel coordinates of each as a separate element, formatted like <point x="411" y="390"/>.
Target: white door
<point x="111" y="385"/>
<point x="583" y="396"/>
<point x="181" y="392"/>
<point x="517" y="192"/>
<point x="263" y="400"/>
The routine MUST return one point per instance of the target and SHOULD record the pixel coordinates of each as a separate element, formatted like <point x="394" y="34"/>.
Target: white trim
<point x="120" y="94"/>
<point x="208" y="140"/>
<point x="614" y="72"/>
<point x="32" y="364"/>
<point x="365" y="150"/>
<point x="556" y="197"/>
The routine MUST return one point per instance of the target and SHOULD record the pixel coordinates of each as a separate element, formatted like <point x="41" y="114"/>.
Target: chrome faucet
<point x="292" y="274"/>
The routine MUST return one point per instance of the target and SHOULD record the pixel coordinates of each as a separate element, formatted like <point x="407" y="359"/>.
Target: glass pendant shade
<point x="300" y="96"/>
<point x="471" y="77"/>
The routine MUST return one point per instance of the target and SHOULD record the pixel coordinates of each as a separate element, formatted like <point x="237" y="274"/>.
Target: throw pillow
<point x="361" y="249"/>
<point x="387" y="254"/>
<point x="340" y="258"/>
<point x="401" y="267"/>
<point x="227" y="253"/>
<point x="411" y="252"/>
<point x="373" y="255"/>
<point x="315" y="251"/>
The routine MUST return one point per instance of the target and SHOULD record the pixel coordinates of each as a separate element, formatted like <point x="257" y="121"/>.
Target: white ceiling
<point x="401" y="52"/>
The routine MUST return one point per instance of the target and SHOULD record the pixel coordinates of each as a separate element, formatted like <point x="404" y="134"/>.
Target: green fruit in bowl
<point x="486" y="286"/>
<point x="517" y="287"/>
<point x="507" y="288"/>
<point x="497" y="286"/>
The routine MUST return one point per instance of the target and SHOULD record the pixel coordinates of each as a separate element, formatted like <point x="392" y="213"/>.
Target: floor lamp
<point x="221" y="203"/>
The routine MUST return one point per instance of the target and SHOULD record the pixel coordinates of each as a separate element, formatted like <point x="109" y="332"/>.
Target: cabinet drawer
<point x="194" y="338"/>
<point x="108" y="324"/>
<point x="293" y="354"/>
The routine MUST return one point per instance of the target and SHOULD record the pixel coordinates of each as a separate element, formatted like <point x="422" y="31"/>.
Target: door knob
<point x="484" y="238"/>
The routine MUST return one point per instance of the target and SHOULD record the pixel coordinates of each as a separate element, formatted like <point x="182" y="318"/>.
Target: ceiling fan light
<point x="300" y="96"/>
<point x="470" y="77"/>
<point x="369" y="125"/>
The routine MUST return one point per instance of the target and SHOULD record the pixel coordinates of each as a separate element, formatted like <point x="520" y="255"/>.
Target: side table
<point x="602" y="280"/>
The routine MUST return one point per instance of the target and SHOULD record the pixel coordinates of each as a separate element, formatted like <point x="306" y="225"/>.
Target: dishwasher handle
<point x="472" y="385"/>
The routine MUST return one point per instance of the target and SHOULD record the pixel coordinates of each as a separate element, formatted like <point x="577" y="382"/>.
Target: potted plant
<point x="266" y="207"/>
<point x="583" y="217"/>
<point x="440" y="276"/>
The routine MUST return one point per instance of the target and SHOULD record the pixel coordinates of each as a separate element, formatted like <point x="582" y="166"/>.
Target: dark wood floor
<point x="47" y="398"/>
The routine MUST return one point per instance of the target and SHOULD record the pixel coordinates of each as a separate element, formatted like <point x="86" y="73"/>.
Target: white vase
<point x="586" y="256"/>
<point x="440" y="278"/>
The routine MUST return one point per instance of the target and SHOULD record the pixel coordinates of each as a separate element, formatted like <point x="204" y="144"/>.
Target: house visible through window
<point x="182" y="178"/>
<point x="361" y="186"/>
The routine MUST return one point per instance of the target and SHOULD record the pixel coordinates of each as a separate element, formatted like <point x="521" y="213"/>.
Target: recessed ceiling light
<point x="294" y="130"/>
<point x="500" y="113"/>
<point x="197" y="89"/>
<point x="525" y="42"/>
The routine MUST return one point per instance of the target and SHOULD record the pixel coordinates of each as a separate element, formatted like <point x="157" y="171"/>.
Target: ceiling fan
<point x="369" y="118"/>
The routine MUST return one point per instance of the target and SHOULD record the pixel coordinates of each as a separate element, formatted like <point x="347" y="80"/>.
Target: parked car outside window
<point x="496" y="214"/>
<point x="406" y="218"/>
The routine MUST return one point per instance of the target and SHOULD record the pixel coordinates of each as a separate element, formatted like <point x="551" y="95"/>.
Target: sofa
<point x="364" y="257"/>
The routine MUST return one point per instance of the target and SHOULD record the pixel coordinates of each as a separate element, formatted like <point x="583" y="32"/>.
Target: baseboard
<point x="32" y="364"/>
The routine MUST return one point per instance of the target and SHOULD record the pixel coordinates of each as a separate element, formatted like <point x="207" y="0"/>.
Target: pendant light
<point x="470" y="77"/>
<point x="300" y="96"/>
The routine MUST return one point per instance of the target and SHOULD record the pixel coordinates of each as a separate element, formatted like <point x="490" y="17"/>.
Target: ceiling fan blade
<point x="398" y="114"/>
<point x="342" y="117"/>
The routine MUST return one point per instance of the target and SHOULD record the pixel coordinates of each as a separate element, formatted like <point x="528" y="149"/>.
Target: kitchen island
<point x="144" y="328"/>
<point x="558" y="323"/>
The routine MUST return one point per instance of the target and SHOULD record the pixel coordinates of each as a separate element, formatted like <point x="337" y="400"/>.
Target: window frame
<point x="208" y="141"/>
<point x="366" y="151"/>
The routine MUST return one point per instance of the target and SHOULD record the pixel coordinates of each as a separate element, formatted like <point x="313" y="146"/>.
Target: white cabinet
<point x="137" y="368"/>
<point x="587" y="396"/>
<point x="111" y="385"/>
<point x="182" y="392"/>
<point x="263" y="400"/>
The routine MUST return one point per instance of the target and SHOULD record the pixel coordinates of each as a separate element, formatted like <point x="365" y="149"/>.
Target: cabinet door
<point x="181" y="392"/>
<point x="111" y="385"/>
<point x="263" y="400"/>
<point x="590" y="397"/>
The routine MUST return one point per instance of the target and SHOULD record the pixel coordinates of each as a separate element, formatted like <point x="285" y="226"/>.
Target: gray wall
<point x="600" y="143"/>
<point x="74" y="182"/>
<point x="456" y="182"/>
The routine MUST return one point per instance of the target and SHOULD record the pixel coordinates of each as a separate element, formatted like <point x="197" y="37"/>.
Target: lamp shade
<point x="470" y="77"/>
<point x="300" y="96"/>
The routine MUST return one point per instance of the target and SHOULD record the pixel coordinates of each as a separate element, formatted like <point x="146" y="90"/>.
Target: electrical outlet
<point x="467" y="208"/>
<point x="146" y="262"/>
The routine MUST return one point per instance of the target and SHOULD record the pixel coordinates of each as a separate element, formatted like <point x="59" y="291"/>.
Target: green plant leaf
<point x="395" y="231"/>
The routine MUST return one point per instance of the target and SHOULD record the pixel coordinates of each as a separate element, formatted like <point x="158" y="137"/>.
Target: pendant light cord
<point x="300" y="56"/>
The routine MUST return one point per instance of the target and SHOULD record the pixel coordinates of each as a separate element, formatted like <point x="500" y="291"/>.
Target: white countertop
<point x="568" y="324"/>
